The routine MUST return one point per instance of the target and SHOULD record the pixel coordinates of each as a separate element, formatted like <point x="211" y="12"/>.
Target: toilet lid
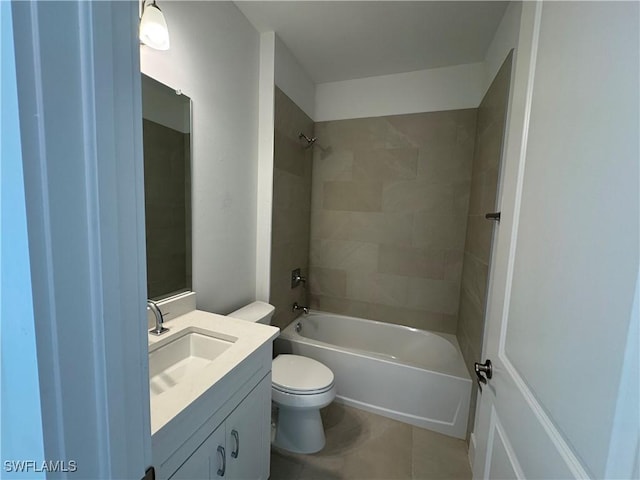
<point x="294" y="373"/>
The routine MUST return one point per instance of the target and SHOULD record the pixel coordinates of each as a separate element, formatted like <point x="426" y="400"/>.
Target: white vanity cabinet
<point x="218" y="418"/>
<point x="248" y="430"/>
<point x="206" y="460"/>
<point x="239" y="448"/>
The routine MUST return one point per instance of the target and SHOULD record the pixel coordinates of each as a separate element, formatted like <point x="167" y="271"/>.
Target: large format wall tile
<point x="354" y="196"/>
<point x="291" y="208"/>
<point x="331" y="282"/>
<point x="438" y="296"/>
<point x="389" y="209"/>
<point x="412" y="262"/>
<point x="361" y="134"/>
<point x="445" y="164"/>
<point x="382" y="288"/>
<point x="388" y="164"/>
<point x="438" y="231"/>
<point x="418" y="196"/>
<point x="335" y="166"/>
<point x="344" y="254"/>
<point x="382" y="228"/>
<point x="427" y="130"/>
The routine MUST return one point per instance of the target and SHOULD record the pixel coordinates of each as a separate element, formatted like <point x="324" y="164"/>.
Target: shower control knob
<point x="297" y="278"/>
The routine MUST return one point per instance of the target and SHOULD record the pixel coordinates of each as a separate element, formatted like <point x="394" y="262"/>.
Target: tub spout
<point x="299" y="307"/>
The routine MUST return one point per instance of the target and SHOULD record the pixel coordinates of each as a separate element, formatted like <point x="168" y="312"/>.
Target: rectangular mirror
<point x="166" y="123"/>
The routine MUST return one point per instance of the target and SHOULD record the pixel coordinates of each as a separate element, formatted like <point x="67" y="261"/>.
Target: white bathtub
<point x="411" y="375"/>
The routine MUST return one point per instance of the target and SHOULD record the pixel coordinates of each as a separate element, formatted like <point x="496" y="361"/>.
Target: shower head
<point x="310" y="141"/>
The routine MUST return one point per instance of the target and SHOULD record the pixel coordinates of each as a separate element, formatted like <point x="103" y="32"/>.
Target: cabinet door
<point x="248" y="430"/>
<point x="208" y="461"/>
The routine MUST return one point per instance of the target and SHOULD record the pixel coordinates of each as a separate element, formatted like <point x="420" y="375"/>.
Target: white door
<point x="78" y="90"/>
<point x="562" y="402"/>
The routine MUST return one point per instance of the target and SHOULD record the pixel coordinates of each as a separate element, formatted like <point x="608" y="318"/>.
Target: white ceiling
<point x="336" y="40"/>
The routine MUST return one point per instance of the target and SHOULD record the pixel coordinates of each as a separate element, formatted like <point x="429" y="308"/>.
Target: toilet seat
<point x="294" y="374"/>
<point x="303" y="401"/>
<point x="301" y="392"/>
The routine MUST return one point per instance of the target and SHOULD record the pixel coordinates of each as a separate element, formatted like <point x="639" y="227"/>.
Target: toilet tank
<point x="260" y="312"/>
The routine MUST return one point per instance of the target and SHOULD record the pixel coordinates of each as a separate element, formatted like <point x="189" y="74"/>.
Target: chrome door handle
<point x="224" y="461"/>
<point x="236" y="450"/>
<point x="493" y="216"/>
<point x="483" y="369"/>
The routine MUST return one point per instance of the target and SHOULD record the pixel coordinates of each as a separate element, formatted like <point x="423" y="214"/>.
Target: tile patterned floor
<point x="361" y="445"/>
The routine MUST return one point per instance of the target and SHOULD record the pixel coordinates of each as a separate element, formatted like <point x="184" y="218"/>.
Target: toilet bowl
<point x="300" y="387"/>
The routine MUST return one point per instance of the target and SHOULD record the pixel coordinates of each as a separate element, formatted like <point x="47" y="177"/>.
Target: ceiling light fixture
<point x="153" y="26"/>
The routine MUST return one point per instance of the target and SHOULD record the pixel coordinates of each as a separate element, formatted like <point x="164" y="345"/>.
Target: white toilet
<point x="300" y="387"/>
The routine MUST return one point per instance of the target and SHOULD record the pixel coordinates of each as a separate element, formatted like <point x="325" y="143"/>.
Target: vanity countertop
<point x="247" y="337"/>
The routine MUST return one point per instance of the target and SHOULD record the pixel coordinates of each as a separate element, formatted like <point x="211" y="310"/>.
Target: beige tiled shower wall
<point x="389" y="214"/>
<point x="291" y="207"/>
<point x="492" y="115"/>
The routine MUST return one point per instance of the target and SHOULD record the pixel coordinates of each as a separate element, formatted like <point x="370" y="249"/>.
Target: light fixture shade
<point x="153" y="28"/>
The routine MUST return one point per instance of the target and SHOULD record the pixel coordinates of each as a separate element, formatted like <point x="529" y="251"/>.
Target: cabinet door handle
<point x="224" y="461"/>
<point x="236" y="450"/>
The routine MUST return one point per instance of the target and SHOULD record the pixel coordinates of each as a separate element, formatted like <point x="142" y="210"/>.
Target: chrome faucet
<point x="299" y="307"/>
<point x="159" y="330"/>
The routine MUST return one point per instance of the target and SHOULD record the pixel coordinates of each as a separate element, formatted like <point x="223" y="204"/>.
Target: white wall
<point x="447" y="88"/>
<point x="505" y="38"/>
<point x="83" y="180"/>
<point x="214" y="59"/>
<point x="292" y="79"/>
<point x="265" y="164"/>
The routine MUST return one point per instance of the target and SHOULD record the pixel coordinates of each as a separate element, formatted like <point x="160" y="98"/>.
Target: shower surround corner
<point x="291" y="207"/>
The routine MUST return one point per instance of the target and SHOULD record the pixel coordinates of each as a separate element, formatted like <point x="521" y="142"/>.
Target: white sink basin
<point x="183" y="355"/>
